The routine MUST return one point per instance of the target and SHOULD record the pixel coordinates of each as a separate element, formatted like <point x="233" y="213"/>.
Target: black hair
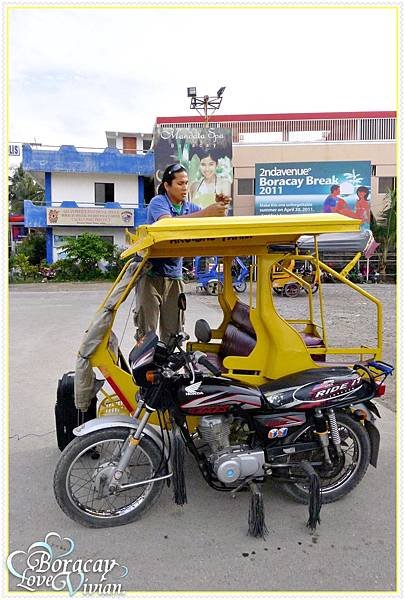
<point x="365" y="189"/>
<point x="204" y="152"/>
<point x="334" y="187"/>
<point x="169" y="174"/>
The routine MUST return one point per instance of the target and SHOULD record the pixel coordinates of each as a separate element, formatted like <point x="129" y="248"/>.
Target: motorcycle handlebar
<point x="202" y="359"/>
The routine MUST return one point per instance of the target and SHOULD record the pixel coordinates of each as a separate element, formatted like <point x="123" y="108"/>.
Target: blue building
<point x="87" y="191"/>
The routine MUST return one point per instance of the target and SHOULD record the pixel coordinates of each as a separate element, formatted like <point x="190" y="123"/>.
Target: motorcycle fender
<point x="374" y="436"/>
<point x="120" y="421"/>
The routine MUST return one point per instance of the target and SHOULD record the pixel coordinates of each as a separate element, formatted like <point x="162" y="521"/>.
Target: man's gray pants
<point x="157" y="302"/>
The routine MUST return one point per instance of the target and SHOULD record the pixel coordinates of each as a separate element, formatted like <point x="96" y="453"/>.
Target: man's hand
<point x="222" y="199"/>
<point x="218" y="209"/>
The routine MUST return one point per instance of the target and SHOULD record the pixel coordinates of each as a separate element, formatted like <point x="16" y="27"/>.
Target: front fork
<point x="132" y="441"/>
<point x="322" y="431"/>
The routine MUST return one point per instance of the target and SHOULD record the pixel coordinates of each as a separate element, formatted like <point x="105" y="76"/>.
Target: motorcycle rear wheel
<point x="346" y="472"/>
<point x="80" y="469"/>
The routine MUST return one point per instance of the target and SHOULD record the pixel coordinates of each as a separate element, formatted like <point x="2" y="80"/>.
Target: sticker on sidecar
<point x="327" y="390"/>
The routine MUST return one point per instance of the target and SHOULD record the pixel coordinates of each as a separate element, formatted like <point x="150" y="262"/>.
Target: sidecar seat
<point x="239" y="337"/>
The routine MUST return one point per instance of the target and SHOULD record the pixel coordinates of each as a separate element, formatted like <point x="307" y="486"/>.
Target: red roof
<point x="282" y="117"/>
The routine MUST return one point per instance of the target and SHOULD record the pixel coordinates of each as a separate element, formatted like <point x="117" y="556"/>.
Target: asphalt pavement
<point x="202" y="546"/>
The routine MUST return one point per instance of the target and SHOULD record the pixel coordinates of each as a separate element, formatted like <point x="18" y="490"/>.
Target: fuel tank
<point x="214" y="395"/>
<point x="326" y="386"/>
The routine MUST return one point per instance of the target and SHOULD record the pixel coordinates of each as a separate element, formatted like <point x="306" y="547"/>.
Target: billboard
<point x="206" y="154"/>
<point x="314" y="187"/>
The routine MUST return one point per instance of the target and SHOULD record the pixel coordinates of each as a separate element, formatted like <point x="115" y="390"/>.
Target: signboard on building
<point x="97" y="217"/>
<point x="14" y="149"/>
<point x="297" y="188"/>
<point x="205" y="153"/>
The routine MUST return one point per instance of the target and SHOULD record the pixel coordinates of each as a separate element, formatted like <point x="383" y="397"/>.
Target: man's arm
<point x="218" y="209"/>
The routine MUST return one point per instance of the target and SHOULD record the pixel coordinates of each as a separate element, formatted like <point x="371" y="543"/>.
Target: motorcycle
<point x="312" y="431"/>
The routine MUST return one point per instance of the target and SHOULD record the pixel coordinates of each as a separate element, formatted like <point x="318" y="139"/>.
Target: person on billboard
<point x="214" y="176"/>
<point x="331" y="201"/>
<point x="362" y="207"/>
<point x="158" y="289"/>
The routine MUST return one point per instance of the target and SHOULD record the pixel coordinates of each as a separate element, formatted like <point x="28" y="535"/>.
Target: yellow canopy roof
<point x="223" y="235"/>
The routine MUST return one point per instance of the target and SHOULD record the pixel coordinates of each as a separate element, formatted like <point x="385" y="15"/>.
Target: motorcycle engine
<point x="230" y="463"/>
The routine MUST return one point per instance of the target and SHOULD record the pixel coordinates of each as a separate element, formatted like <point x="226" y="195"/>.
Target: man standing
<point x="158" y="289"/>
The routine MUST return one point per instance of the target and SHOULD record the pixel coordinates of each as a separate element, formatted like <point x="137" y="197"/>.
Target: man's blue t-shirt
<point x="329" y="203"/>
<point x="160" y="205"/>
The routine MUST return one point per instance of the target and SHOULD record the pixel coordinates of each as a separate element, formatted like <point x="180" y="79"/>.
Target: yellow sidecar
<point x="253" y="342"/>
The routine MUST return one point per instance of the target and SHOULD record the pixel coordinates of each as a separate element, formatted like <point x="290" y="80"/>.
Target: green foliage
<point x="21" y="268"/>
<point x="21" y="186"/>
<point x="114" y="263"/>
<point x="86" y="251"/>
<point x="34" y="247"/>
<point x="385" y="230"/>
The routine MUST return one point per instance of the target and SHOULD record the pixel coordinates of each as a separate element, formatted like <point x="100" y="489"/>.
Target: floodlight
<point x="220" y="92"/>
<point x="191" y="92"/>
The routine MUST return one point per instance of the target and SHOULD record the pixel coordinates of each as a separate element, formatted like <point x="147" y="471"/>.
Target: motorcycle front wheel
<point x="86" y="464"/>
<point x="346" y="470"/>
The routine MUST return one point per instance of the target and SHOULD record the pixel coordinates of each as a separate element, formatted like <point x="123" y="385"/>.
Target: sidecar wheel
<point x="79" y="475"/>
<point x="346" y="472"/>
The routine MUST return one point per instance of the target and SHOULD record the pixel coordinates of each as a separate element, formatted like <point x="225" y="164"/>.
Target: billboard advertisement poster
<point x="205" y="153"/>
<point x="342" y="187"/>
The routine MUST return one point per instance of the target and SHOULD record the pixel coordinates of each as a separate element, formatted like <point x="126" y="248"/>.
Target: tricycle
<point x="355" y="245"/>
<point x="209" y="274"/>
<point x="259" y="397"/>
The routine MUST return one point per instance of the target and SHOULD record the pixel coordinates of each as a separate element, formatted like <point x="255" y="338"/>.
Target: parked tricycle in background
<point x="210" y="277"/>
<point x="292" y="275"/>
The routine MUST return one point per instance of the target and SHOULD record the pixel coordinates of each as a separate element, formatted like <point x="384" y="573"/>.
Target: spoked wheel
<point x="214" y="287"/>
<point x="345" y="472"/>
<point x="84" y="468"/>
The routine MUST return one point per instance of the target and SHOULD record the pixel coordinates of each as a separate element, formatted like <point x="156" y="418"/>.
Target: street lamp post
<point x="203" y="103"/>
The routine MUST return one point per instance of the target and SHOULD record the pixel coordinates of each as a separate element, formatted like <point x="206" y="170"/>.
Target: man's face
<point x="178" y="189"/>
<point x="336" y="192"/>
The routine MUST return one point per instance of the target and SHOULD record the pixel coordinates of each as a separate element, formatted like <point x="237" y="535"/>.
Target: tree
<point x="21" y="186"/>
<point x="385" y="230"/>
<point x="86" y="251"/>
<point x="34" y="247"/>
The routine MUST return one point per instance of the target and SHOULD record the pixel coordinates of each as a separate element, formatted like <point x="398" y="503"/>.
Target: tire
<point x="214" y="287"/>
<point x="340" y="482"/>
<point x="292" y="290"/>
<point x="240" y="286"/>
<point x="88" y="453"/>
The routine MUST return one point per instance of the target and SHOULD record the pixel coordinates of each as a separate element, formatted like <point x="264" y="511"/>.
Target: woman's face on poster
<point x="207" y="167"/>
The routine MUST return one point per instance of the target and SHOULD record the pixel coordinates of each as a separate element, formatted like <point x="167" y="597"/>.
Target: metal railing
<point x="380" y="129"/>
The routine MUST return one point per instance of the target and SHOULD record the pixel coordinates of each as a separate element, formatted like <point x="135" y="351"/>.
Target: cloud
<point x="75" y="73"/>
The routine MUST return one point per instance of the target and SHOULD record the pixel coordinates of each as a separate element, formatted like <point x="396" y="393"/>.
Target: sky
<point x="75" y="73"/>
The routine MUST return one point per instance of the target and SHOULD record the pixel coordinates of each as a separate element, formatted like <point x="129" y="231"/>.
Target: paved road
<point x="202" y="546"/>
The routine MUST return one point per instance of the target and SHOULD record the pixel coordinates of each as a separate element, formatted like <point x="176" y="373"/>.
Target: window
<point x="245" y="187"/>
<point x="146" y="144"/>
<point x="104" y="192"/>
<point x="148" y="190"/>
<point x="109" y="239"/>
<point x="386" y="183"/>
